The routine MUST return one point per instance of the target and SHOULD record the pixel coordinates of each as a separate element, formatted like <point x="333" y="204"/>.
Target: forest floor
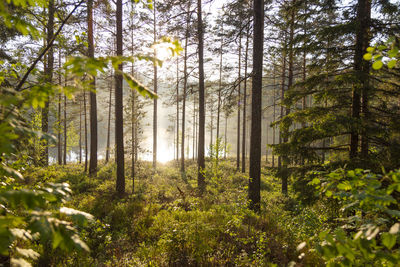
<point x="166" y="223"/>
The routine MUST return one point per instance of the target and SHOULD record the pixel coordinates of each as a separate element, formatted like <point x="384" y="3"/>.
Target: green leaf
<point x="370" y="49"/>
<point x="382" y="47"/>
<point x="393" y="52"/>
<point x="315" y="181"/>
<point x="367" y="56"/>
<point x="394" y="213"/>
<point x="392" y="63"/>
<point x="344" y="186"/>
<point x="134" y="84"/>
<point x="388" y="240"/>
<point x="79" y="216"/>
<point x="377" y="65"/>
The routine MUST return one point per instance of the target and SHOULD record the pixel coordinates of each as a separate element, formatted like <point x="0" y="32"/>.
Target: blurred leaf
<point x="134" y="84"/>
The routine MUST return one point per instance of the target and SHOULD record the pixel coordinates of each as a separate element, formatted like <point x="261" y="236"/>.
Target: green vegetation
<point x="328" y="195"/>
<point x="351" y="218"/>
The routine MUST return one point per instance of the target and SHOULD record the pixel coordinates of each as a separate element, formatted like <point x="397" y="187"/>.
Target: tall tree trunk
<point x="65" y="125"/>
<point x="119" y="120"/>
<point x="239" y="99"/>
<point x="80" y="131"/>
<point x="133" y="138"/>
<point x="133" y="111"/>
<point x="211" y="125"/>
<point x="177" y="108"/>
<point x="155" y="90"/>
<point x="108" y="148"/>
<point x="194" y="125"/>
<point x="255" y="138"/>
<point x="274" y="128"/>
<point x="49" y="78"/>
<point x="244" y="104"/>
<point x="86" y="131"/>
<point x="219" y="86"/>
<point x="93" y="101"/>
<point x="200" y="158"/>
<point x="363" y="33"/>
<point x="226" y="139"/>
<point x="282" y="94"/>
<point x="185" y="81"/>
<point x="285" y="158"/>
<point x="59" y="141"/>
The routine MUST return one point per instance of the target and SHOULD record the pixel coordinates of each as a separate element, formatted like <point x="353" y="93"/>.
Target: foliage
<point x="369" y="228"/>
<point x="38" y="216"/>
<point x="386" y="52"/>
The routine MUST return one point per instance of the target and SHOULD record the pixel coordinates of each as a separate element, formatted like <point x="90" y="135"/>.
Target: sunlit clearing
<point x="165" y="152"/>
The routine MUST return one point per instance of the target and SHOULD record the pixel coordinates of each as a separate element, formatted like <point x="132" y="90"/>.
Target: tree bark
<point x="177" y="108"/>
<point x="244" y="104"/>
<point x="256" y="106"/>
<point x="200" y="158"/>
<point x="185" y="80"/>
<point x="86" y="131"/>
<point x="49" y="78"/>
<point x="219" y="86"/>
<point x="155" y="90"/>
<point x="239" y="99"/>
<point x="80" y="131"/>
<point x="93" y="100"/>
<point x="108" y="148"/>
<point x="119" y="120"/>
<point x="59" y="141"/>
<point x="65" y="125"/>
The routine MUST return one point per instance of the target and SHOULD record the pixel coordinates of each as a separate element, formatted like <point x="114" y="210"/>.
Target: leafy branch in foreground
<point x="386" y="52"/>
<point x="369" y="232"/>
<point x="37" y="216"/>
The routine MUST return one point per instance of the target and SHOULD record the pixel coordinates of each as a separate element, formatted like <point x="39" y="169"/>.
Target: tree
<point x="255" y="138"/>
<point x="155" y="91"/>
<point x="201" y="143"/>
<point x="48" y="71"/>
<point x="93" y="101"/>
<point x="119" y="131"/>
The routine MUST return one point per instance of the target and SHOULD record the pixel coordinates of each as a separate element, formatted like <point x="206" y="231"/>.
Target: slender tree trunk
<point x="108" y="148"/>
<point x="200" y="158"/>
<point x="119" y="120"/>
<point x="155" y="90"/>
<point x="194" y="125"/>
<point x="133" y="111"/>
<point x="285" y="158"/>
<point x="274" y="128"/>
<point x="244" y="105"/>
<point x="80" y="131"/>
<point x="93" y="100"/>
<point x="49" y="78"/>
<point x="256" y="106"/>
<point x="185" y="80"/>
<point x="226" y="132"/>
<point x="177" y="108"/>
<point x="59" y="141"/>
<point x="219" y="86"/>
<point x="86" y="131"/>
<point x="364" y="16"/>
<point x="304" y="103"/>
<point x="133" y="138"/>
<point x="211" y="125"/>
<point x="239" y="99"/>
<point x="65" y="125"/>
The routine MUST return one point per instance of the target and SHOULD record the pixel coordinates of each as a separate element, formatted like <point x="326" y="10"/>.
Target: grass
<point x="166" y="223"/>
